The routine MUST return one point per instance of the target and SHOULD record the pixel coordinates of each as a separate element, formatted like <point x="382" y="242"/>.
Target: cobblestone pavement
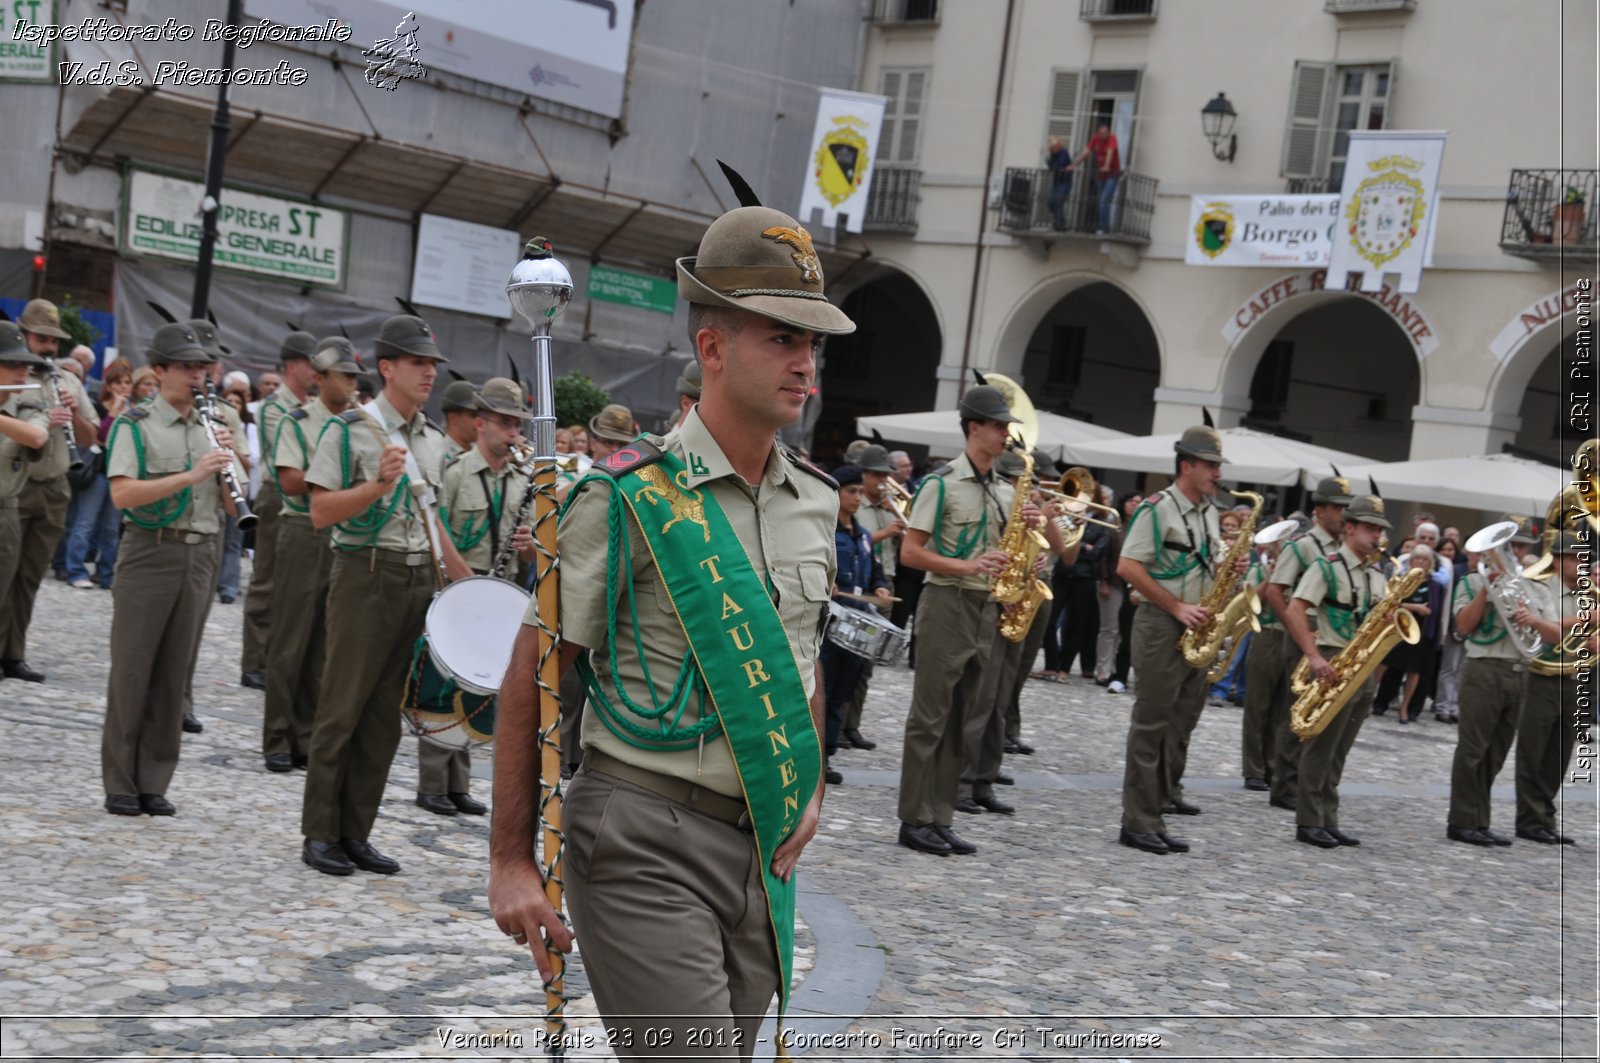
<point x="205" y="934"/>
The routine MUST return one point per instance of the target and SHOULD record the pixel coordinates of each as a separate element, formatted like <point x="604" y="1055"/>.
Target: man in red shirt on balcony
<point x="1107" y="171"/>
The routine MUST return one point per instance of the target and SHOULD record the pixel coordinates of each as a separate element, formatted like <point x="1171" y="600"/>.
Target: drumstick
<point x="864" y="597"/>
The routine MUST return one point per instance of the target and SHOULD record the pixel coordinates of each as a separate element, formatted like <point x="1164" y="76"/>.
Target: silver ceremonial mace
<point x="540" y="289"/>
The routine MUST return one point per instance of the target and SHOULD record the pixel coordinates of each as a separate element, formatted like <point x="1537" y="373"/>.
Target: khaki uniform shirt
<point x="466" y="508"/>
<point x="1255" y="576"/>
<point x="1345" y="578"/>
<point x="452" y="449"/>
<point x="404" y="530"/>
<point x="271" y="413"/>
<point x="874" y="518"/>
<point x="16" y="459"/>
<point x="786" y="526"/>
<point x="1490" y="639"/>
<point x="296" y="434"/>
<point x="1296" y="555"/>
<point x="53" y="464"/>
<point x="173" y="442"/>
<point x="1185" y="529"/>
<point x="970" y="522"/>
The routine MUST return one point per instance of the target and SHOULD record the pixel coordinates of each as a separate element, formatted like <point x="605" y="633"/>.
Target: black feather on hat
<point x="741" y="188"/>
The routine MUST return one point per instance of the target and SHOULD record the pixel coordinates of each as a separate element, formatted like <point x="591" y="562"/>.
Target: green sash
<point x="744" y="657"/>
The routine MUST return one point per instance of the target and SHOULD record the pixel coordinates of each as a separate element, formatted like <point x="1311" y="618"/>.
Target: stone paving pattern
<point x="205" y="934"/>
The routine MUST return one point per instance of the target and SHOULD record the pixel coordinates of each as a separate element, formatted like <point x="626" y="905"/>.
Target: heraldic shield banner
<point x="1389" y="206"/>
<point x="839" y="165"/>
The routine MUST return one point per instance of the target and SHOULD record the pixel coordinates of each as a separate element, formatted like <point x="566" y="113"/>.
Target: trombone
<point x="893" y="494"/>
<point x="1076" y="490"/>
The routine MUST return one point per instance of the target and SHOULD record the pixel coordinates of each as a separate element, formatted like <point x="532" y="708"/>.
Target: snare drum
<point x="866" y="634"/>
<point x="461" y="659"/>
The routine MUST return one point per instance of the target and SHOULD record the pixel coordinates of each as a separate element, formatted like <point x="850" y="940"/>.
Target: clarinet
<point x="502" y="560"/>
<point x="74" y="456"/>
<point x="229" y="479"/>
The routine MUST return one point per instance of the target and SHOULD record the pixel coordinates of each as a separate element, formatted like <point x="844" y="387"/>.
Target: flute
<point x="227" y="477"/>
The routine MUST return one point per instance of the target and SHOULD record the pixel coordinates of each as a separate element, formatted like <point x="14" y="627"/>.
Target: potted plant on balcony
<point x="1566" y="217"/>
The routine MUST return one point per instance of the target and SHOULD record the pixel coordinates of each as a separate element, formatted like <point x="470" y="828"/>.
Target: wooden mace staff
<point x="540" y="289"/>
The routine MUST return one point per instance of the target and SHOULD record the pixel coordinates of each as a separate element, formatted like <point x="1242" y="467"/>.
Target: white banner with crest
<point x="839" y="165"/>
<point x="1390" y="204"/>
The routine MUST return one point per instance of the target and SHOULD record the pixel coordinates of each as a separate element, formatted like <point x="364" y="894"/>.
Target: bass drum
<point x="461" y="659"/>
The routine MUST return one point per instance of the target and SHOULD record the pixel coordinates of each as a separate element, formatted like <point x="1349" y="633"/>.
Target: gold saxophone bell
<point x="1316" y="704"/>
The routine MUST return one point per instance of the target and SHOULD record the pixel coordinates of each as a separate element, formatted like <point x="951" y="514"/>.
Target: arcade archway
<point x="1094" y="357"/>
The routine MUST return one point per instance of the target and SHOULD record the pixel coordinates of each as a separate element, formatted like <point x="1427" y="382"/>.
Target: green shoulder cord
<point x="1258" y="568"/>
<point x="1185" y="564"/>
<point x="966" y="541"/>
<point x="163" y="511"/>
<point x="667" y="734"/>
<point x="1341" y="619"/>
<point x="294" y="502"/>
<point x="1485" y="633"/>
<point x="470" y="536"/>
<point x="364" y="527"/>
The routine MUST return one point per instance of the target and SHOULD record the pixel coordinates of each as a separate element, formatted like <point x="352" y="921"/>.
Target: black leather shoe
<point x="253" y="680"/>
<point x="18" y="669"/>
<point x="831" y="774"/>
<point x="156" y="805"/>
<point x="958" y="845"/>
<point x="1470" y="835"/>
<point x="192" y="724"/>
<point x="1150" y="843"/>
<point x="1341" y="837"/>
<point x="1181" y="807"/>
<point x="467" y="804"/>
<point x="122" y="805"/>
<point x="1017" y="745"/>
<point x="1177" y="845"/>
<point x="300" y="761"/>
<point x="364" y="856"/>
<point x="1002" y="779"/>
<point x="924" y="839"/>
<point x="857" y="740"/>
<point x="226" y="599"/>
<point x="436" y="803"/>
<point x="1316" y="836"/>
<point x="326" y="857"/>
<point x="1498" y="839"/>
<point x="993" y="804"/>
<point x="279" y="762"/>
<point x="969" y="806"/>
<point x="1284" y="802"/>
<point x="1256" y="784"/>
<point x="1535" y="834"/>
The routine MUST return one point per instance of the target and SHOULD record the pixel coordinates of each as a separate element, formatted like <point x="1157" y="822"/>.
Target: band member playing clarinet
<point x="696" y="571"/>
<point x="483" y="492"/>
<point x="372" y="481"/>
<point x="25" y="424"/>
<point x="165" y="477"/>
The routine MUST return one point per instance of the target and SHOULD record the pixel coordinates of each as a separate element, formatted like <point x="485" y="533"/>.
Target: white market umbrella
<point x="1502" y="482"/>
<point x="941" y="430"/>
<point x="1252" y="457"/>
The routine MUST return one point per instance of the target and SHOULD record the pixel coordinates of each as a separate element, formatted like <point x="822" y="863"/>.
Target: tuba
<point x="1578" y="502"/>
<point x="1510" y="591"/>
<point x="1318" y="704"/>
<point x="1233" y="611"/>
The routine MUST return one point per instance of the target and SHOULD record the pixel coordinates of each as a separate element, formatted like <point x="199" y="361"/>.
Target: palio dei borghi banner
<point x="1390" y="209"/>
<point x="291" y="240"/>
<point x="1260" y="230"/>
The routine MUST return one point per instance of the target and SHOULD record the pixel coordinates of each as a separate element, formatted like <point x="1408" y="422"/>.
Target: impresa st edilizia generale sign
<point x="292" y="240"/>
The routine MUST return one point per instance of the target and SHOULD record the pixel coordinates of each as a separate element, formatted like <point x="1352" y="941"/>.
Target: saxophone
<point x="1317" y="704"/>
<point x="1233" y="611"/>
<point x="1015" y="587"/>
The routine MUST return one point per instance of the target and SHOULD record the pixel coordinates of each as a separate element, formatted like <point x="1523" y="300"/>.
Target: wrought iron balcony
<point x="1361" y="7"/>
<point x="892" y="203"/>
<point x="900" y="12"/>
<point x="1116" y="10"/>
<point x="1550" y="215"/>
<point x="1309" y="186"/>
<point x="1055" y="205"/>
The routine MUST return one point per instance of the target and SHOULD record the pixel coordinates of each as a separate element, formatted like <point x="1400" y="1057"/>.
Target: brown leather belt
<point x="679" y="791"/>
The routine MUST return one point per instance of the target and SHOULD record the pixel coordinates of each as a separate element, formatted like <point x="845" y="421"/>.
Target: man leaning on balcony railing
<point x="1107" y="172"/>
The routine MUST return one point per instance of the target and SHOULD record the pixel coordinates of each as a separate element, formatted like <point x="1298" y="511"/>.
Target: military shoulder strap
<point x="352" y="416"/>
<point x="136" y="413"/>
<point x="623" y="460"/>
<point x="299" y="413"/>
<point x="805" y="466"/>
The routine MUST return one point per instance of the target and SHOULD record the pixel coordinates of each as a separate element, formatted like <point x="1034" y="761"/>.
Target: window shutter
<point x="891" y="115"/>
<point x="911" y="116"/>
<point x="1305" y="142"/>
<point x="1065" y="86"/>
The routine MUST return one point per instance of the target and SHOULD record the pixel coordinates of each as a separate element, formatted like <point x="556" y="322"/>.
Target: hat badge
<point x="1342" y="483"/>
<point x="804" y="254"/>
<point x="1377" y="504"/>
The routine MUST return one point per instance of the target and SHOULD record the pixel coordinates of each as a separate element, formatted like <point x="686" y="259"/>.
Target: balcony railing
<point x="1359" y="7"/>
<point x="897" y="12"/>
<point x="1309" y="186"/>
<point x="892" y="204"/>
<point x="1550" y="214"/>
<point x="1057" y="205"/>
<point x="1116" y="10"/>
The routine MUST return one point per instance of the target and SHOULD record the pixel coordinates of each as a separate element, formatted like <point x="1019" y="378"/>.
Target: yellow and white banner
<point x="1390" y="205"/>
<point x="839" y="164"/>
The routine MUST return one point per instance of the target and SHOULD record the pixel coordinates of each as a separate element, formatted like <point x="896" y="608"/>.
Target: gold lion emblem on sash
<point x="683" y="504"/>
